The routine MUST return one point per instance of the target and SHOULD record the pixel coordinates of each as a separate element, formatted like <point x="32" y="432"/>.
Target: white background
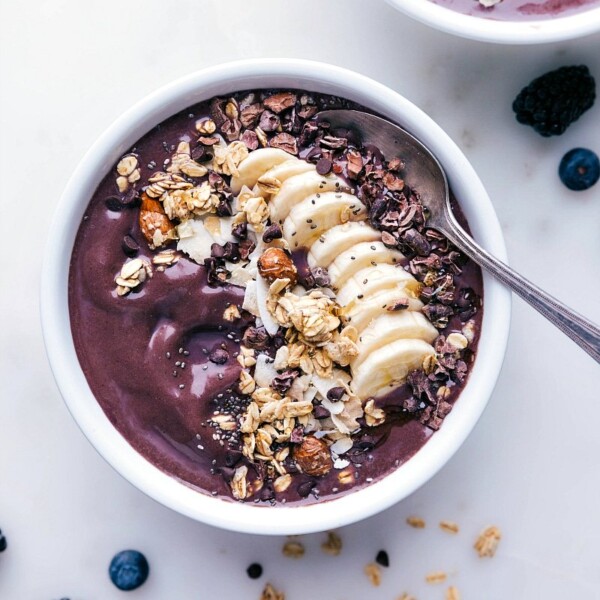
<point x="68" y="69"/>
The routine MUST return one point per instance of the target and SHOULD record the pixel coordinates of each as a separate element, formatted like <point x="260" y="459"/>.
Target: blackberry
<point x="554" y="100"/>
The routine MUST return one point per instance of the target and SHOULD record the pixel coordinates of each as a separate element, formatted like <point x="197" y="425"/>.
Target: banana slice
<point x="370" y="280"/>
<point x="388" y="328"/>
<point x="358" y="257"/>
<point x="256" y="164"/>
<point x="362" y="311"/>
<point x="316" y="214"/>
<point x="339" y="238"/>
<point x="297" y="188"/>
<point x="282" y="172"/>
<point x="388" y="366"/>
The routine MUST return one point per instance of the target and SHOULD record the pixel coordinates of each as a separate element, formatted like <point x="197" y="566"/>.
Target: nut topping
<point x="156" y="227"/>
<point x="276" y="264"/>
<point x="313" y="457"/>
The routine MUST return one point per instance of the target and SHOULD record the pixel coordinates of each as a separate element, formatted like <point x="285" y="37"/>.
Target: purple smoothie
<point x="147" y="355"/>
<point x="520" y="10"/>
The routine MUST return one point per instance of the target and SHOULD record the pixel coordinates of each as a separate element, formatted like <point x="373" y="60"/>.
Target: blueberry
<point x="128" y="569"/>
<point x="3" y="544"/>
<point x="579" y="169"/>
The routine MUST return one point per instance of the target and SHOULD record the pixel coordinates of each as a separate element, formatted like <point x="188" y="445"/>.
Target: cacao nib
<point x="280" y="101"/>
<point x="256" y="338"/>
<point x="249" y="114"/>
<point x="283" y="382"/>
<point x="286" y="142"/>
<point x="269" y="121"/>
<point x="250" y="139"/>
<point x="272" y="232"/>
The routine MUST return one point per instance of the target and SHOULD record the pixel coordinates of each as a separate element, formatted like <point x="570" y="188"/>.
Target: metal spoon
<point x="425" y="174"/>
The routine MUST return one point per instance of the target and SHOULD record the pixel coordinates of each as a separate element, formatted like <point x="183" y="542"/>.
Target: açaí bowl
<point x="224" y="79"/>
<point x="550" y="29"/>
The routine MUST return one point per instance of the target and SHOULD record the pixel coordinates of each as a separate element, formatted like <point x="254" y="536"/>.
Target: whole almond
<point x="152" y="219"/>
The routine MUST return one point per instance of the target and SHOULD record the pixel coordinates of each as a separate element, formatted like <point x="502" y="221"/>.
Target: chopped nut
<point x="333" y="544"/>
<point x="312" y="457"/>
<point x="487" y="542"/>
<point x="127" y="165"/>
<point x="270" y="593"/>
<point x="274" y="263"/>
<point x="232" y="313"/>
<point x="373" y="572"/>
<point x="452" y="593"/>
<point x="449" y="526"/>
<point x="293" y="549"/>
<point x="206" y="126"/>
<point x="156" y="227"/>
<point x="436" y="577"/>
<point x="416" y="522"/>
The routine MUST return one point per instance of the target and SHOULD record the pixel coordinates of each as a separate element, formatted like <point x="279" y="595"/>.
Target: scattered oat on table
<point x="333" y="544"/>
<point x="406" y="596"/>
<point x="436" y="577"/>
<point x="487" y="542"/>
<point x="416" y="522"/>
<point x="270" y="593"/>
<point x="449" y="526"/>
<point x="452" y="593"/>
<point x="293" y="549"/>
<point x="373" y="572"/>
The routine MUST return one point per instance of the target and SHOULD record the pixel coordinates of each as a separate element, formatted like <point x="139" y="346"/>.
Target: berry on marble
<point x="551" y="102"/>
<point x="128" y="569"/>
<point x="3" y="543"/>
<point x="579" y="169"/>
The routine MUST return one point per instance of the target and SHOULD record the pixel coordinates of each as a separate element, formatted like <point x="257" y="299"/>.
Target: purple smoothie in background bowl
<point x="145" y="331"/>
<point x="517" y="10"/>
<point x="507" y="21"/>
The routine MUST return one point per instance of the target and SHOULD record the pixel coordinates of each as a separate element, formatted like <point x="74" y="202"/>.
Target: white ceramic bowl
<point x="540" y="31"/>
<point x="85" y="409"/>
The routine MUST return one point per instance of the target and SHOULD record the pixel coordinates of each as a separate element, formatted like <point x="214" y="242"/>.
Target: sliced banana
<point x="298" y="188"/>
<point x="361" y="312"/>
<point x="339" y="238"/>
<point x="360" y="256"/>
<point x="370" y="280"/>
<point x="388" y="366"/>
<point x="319" y="212"/>
<point x="388" y="328"/>
<point x="256" y="164"/>
<point x="280" y="173"/>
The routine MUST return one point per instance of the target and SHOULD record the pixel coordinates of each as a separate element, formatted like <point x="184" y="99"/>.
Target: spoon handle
<point x="582" y="331"/>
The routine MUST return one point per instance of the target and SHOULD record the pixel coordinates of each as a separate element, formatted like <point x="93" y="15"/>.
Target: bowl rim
<point x="540" y="31"/>
<point x="236" y="516"/>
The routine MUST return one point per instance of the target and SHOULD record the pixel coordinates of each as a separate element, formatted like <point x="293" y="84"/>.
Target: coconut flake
<point x="264" y="371"/>
<point x="194" y="240"/>
<point x="340" y="463"/>
<point x="262" y="293"/>
<point x="250" y="303"/>
<point x="342" y="445"/>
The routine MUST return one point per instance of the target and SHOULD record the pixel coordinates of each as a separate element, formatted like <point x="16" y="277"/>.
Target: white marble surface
<point x="68" y="68"/>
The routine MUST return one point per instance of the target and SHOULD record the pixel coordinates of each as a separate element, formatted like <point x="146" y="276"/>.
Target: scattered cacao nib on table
<point x="231" y="377"/>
